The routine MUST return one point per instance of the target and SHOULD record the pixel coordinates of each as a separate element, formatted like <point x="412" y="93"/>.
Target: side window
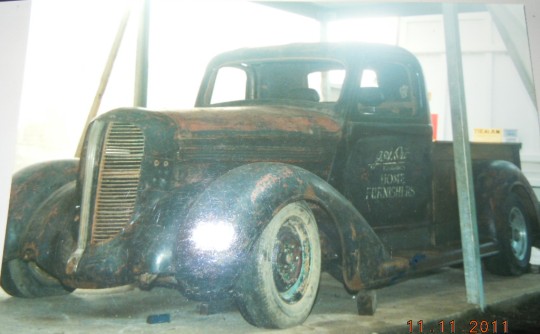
<point x="386" y="90"/>
<point x="327" y="83"/>
<point x="230" y="85"/>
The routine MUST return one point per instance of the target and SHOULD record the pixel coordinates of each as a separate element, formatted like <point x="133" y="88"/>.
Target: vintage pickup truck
<point x="296" y="159"/>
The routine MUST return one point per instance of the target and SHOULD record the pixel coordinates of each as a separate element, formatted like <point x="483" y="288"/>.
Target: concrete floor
<point x="431" y="298"/>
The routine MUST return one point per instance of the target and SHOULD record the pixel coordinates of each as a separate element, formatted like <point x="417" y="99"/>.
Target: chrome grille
<point x="118" y="181"/>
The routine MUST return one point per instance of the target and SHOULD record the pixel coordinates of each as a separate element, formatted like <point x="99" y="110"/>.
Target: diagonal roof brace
<point x="510" y="23"/>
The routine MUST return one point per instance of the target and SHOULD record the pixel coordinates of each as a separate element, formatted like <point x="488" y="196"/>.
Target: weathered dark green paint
<point x="30" y="187"/>
<point x="383" y="197"/>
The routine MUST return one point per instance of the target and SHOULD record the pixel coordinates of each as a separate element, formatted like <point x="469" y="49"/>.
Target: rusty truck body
<point x="296" y="159"/>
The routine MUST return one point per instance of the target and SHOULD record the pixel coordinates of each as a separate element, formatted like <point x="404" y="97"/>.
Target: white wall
<point x="67" y="52"/>
<point x="495" y="94"/>
<point x="14" y="18"/>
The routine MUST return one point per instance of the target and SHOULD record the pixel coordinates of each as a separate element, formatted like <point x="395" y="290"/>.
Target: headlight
<point x="213" y="236"/>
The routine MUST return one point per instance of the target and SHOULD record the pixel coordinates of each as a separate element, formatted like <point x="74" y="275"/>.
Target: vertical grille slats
<point x="118" y="181"/>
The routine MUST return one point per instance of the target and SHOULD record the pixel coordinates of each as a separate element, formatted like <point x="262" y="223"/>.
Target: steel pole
<point x="462" y="160"/>
<point x="104" y="77"/>
<point x="141" y="70"/>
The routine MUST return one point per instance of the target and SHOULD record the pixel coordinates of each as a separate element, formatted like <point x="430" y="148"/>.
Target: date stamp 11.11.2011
<point x="453" y="327"/>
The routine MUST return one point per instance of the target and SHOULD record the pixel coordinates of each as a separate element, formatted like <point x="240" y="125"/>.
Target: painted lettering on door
<point x="391" y="181"/>
<point x="389" y="159"/>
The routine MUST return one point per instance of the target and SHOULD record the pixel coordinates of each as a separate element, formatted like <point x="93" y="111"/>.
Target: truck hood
<point x="233" y="121"/>
<point x="234" y="136"/>
<point x="250" y="120"/>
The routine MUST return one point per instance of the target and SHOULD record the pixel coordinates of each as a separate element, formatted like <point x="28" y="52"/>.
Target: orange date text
<point x="451" y="327"/>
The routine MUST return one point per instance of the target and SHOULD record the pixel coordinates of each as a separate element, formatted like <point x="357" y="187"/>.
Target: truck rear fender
<point x="495" y="180"/>
<point x="226" y="219"/>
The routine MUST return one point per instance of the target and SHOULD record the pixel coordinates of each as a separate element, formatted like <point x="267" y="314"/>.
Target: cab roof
<point x="346" y="53"/>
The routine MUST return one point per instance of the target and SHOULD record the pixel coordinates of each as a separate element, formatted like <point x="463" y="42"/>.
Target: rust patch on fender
<point x="310" y="193"/>
<point x="264" y="183"/>
<point x="267" y="181"/>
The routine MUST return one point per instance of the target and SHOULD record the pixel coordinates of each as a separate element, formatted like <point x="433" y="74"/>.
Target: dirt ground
<point x="523" y="316"/>
<point x="430" y="299"/>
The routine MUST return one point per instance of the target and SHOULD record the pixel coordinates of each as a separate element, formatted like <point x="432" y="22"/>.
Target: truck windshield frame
<point x="275" y="81"/>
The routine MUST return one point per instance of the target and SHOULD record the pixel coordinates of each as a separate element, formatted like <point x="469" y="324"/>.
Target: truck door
<point x="387" y="172"/>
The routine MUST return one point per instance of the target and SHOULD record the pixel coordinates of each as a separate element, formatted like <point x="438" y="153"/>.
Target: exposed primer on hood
<point x="251" y="120"/>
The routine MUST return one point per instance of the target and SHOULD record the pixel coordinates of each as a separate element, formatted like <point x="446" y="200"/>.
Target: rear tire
<point x="513" y="232"/>
<point x="27" y="280"/>
<point x="279" y="284"/>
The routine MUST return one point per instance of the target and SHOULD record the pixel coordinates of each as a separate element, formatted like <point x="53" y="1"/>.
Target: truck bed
<point x="445" y="206"/>
<point x="444" y="152"/>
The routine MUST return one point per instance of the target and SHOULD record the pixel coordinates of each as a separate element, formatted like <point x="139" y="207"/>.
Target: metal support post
<point x="141" y="70"/>
<point x="462" y="160"/>
<point x="325" y="81"/>
<point x="105" y="77"/>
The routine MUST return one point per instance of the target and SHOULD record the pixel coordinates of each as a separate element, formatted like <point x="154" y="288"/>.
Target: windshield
<point x="312" y="81"/>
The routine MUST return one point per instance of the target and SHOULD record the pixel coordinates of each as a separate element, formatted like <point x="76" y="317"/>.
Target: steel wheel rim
<point x="518" y="233"/>
<point x="291" y="260"/>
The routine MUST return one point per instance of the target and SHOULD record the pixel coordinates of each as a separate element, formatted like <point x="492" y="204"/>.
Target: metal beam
<point x="105" y="77"/>
<point x="323" y="37"/>
<point x="141" y="70"/>
<point x="462" y="160"/>
<point x="351" y="9"/>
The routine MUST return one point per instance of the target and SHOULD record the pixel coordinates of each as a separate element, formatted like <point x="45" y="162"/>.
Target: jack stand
<point x="366" y="302"/>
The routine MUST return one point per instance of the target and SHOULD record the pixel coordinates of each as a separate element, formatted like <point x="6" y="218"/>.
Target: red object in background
<point x="434" y="123"/>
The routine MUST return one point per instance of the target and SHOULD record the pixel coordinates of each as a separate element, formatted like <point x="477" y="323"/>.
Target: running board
<point x="431" y="259"/>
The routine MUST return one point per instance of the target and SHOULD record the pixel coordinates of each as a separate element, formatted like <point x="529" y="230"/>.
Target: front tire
<point x="513" y="232"/>
<point x="27" y="280"/>
<point x="279" y="285"/>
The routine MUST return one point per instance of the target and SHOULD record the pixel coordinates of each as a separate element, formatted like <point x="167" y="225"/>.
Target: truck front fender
<point x="227" y="218"/>
<point x="30" y="188"/>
